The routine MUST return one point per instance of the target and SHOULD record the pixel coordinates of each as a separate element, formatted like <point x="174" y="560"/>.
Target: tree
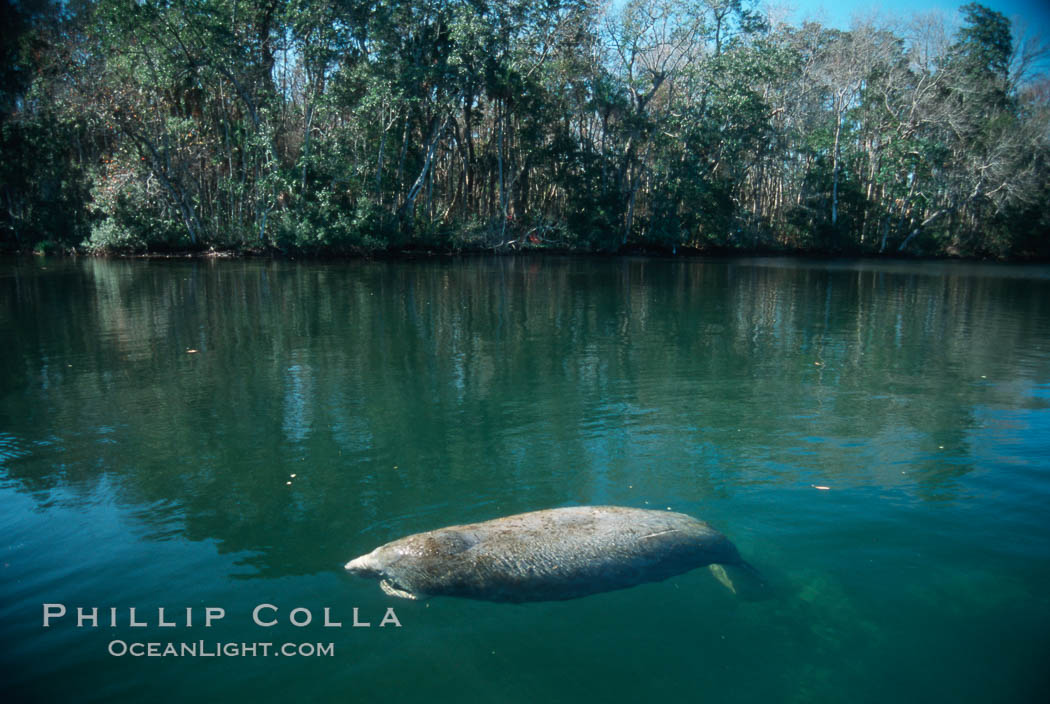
<point x="354" y="125"/>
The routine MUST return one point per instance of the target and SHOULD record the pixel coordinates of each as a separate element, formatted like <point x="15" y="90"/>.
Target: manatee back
<point x="558" y="554"/>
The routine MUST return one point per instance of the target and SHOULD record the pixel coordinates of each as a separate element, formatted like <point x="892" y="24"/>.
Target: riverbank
<point x="518" y="248"/>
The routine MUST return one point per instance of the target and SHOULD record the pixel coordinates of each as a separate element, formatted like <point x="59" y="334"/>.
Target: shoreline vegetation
<point x="432" y="253"/>
<point x="386" y="128"/>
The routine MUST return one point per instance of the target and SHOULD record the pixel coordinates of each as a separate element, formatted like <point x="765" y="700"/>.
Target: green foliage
<point x="43" y="189"/>
<point x="594" y="222"/>
<point x="985" y="42"/>
<point x="351" y="127"/>
<point x="327" y="225"/>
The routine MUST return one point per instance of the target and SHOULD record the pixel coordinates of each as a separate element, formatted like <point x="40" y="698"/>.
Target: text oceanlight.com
<point x="204" y="649"/>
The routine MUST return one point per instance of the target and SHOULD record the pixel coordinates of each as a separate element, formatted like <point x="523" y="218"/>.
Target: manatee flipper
<point x="389" y="588"/>
<point x="719" y="573"/>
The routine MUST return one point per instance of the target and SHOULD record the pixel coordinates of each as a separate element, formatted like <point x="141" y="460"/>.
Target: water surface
<point x="185" y="434"/>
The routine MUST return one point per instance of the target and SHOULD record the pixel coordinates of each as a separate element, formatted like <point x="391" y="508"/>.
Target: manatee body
<point x="556" y="554"/>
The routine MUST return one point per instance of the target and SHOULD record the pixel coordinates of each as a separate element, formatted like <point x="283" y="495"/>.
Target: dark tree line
<point x="357" y="125"/>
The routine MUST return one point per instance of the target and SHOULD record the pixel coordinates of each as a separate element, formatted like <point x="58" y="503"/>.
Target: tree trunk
<point x="835" y="170"/>
<point x="410" y="198"/>
<point x="502" y="187"/>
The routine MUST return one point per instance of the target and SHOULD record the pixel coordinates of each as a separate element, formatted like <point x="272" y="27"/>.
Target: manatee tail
<point x="742" y="579"/>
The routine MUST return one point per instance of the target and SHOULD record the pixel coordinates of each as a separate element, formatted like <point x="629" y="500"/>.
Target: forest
<point x="350" y="127"/>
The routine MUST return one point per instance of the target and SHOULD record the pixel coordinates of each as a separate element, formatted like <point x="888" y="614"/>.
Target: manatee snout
<point x="382" y="564"/>
<point x="365" y="566"/>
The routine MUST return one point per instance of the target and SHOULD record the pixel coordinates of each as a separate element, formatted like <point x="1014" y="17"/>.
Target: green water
<point x="152" y="415"/>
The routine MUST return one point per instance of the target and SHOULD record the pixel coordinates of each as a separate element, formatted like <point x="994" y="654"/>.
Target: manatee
<point x="551" y="555"/>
